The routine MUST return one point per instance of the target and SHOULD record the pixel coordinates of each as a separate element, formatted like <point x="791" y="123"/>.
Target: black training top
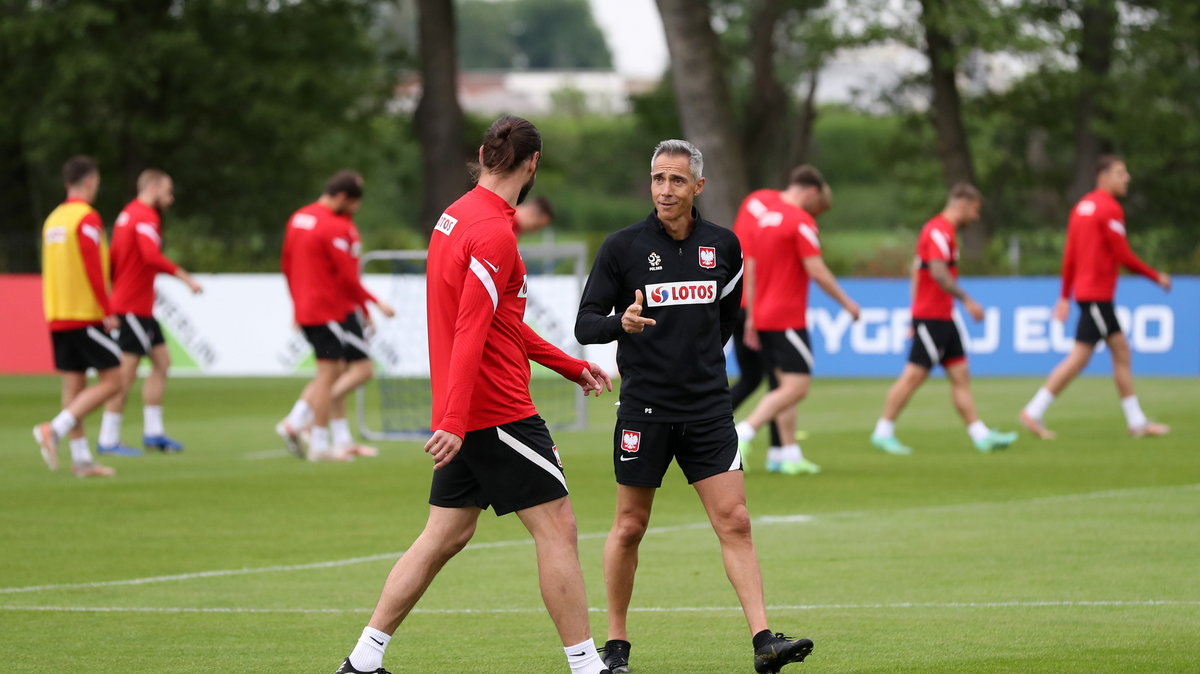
<point x="675" y="370"/>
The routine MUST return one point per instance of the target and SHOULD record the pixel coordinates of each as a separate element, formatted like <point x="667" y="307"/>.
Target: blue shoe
<point x="890" y="445"/>
<point x="118" y="450"/>
<point x="774" y="466"/>
<point x="995" y="440"/>
<point x="800" y="467"/>
<point x="162" y="443"/>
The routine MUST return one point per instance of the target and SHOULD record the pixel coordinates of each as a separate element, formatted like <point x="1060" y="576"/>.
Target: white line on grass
<point x="763" y="520"/>
<point x="633" y="609"/>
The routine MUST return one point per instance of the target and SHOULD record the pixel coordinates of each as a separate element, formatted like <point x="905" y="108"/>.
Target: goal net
<point x="396" y="404"/>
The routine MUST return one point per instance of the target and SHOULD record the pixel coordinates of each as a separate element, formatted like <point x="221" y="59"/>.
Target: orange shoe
<point x="1035" y="426"/>
<point x="331" y="455"/>
<point x="48" y="442"/>
<point x="363" y="450"/>
<point x="1150" y="430"/>
<point x="91" y="469"/>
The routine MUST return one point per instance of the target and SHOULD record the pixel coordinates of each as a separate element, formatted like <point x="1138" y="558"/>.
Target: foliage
<point x="535" y="34"/>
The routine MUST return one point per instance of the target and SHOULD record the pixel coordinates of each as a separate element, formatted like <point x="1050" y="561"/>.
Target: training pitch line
<point x="763" y="520"/>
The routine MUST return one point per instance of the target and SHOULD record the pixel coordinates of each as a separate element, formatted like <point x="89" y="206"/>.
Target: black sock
<point x="762" y="638"/>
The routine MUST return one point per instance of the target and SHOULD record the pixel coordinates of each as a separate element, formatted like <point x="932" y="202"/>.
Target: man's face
<point x="814" y="200"/>
<point x="537" y="158"/>
<point x="164" y="195"/>
<point x="970" y="211"/>
<point x="673" y="187"/>
<point x="1115" y="180"/>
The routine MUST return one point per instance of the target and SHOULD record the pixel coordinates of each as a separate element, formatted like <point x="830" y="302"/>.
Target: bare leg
<point x="960" y="392"/>
<point x="1122" y="362"/>
<point x="552" y="526"/>
<point x="319" y="393"/>
<point x="621" y="553"/>
<point x="156" y="383"/>
<point x="447" y="532"/>
<point x="792" y="389"/>
<point x="354" y="375"/>
<point x="724" y="499"/>
<point x="129" y="365"/>
<point x="1069" y="368"/>
<point x="902" y="391"/>
<point x="85" y="400"/>
<point x="73" y="383"/>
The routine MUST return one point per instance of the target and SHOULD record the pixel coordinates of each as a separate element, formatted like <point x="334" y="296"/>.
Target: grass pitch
<point x="1077" y="555"/>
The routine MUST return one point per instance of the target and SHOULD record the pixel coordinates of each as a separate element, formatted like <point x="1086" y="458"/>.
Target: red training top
<point x="476" y="290"/>
<point x="746" y="223"/>
<point x="784" y="236"/>
<point x="136" y="259"/>
<point x="938" y="241"/>
<point x="355" y="293"/>
<point x="1097" y="249"/>
<point x="321" y="271"/>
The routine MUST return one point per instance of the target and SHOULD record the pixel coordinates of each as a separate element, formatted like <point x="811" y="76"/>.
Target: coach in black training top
<point x="668" y="290"/>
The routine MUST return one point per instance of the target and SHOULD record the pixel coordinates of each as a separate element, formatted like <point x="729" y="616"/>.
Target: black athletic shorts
<point x="935" y="342"/>
<point x="509" y="467"/>
<point x="642" y="450"/>
<point x="138" y="334"/>
<point x="83" y="348"/>
<point x="1097" y="320"/>
<point x="356" y="347"/>
<point x="328" y="340"/>
<point x="787" y="351"/>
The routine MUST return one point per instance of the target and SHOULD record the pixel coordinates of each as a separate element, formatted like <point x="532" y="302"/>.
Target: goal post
<point x="396" y="404"/>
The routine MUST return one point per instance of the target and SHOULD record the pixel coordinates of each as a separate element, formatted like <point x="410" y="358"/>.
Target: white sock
<point x="978" y="430"/>
<point x="63" y="423"/>
<point x="745" y="431"/>
<point x="1133" y="412"/>
<point x="774" y="454"/>
<point x="300" y="416"/>
<point x="1040" y="403"/>
<point x="80" y="452"/>
<point x="884" y="428"/>
<point x="583" y="658"/>
<point x="341" y="433"/>
<point x="792" y="453"/>
<point x="110" y="429"/>
<point x="152" y="423"/>
<point x="367" y="655"/>
<point x="318" y="440"/>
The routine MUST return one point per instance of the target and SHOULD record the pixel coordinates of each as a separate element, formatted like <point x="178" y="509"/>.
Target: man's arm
<point x="588" y="375"/>
<point x="819" y="272"/>
<point x="731" y="294"/>
<point x="91" y="230"/>
<point x="940" y="272"/>
<point x="593" y="323"/>
<point x="1115" y="232"/>
<point x="913" y="275"/>
<point x="149" y="244"/>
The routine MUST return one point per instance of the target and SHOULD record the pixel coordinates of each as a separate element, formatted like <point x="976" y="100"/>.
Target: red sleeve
<point x="1068" y="267"/>
<point x="90" y="231"/>
<point x="1114" y="231"/>
<point x="149" y="244"/>
<point x="476" y="308"/>
<point x="346" y="268"/>
<point x="808" y="244"/>
<point x="544" y="353"/>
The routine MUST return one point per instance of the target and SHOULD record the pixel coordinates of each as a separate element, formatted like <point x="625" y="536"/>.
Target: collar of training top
<point x="696" y="220"/>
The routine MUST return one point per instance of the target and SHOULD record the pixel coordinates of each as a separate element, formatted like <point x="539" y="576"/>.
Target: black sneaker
<point x="616" y="656"/>
<point x="779" y="651"/>
<point x="348" y="668"/>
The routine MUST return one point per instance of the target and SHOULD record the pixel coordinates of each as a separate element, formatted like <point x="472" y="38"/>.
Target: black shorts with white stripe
<point x="643" y="450"/>
<point x="356" y="347"/>
<point x="138" y="334"/>
<point x="328" y="340"/>
<point x="936" y="342"/>
<point x="83" y="348"/>
<point x="1097" y="321"/>
<point x="509" y="467"/>
<point x="788" y="351"/>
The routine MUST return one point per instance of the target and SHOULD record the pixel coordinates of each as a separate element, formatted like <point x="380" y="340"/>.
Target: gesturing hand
<point x="594" y="378"/>
<point x="632" y="321"/>
<point x="443" y="447"/>
<point x="1061" y="309"/>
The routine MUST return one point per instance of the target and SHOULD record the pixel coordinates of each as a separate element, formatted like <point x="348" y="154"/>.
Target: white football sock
<point x="368" y="652"/>
<point x="152" y="423"/>
<point x="341" y="433"/>
<point x="978" y="430"/>
<point x="1134" y="416"/>
<point x="884" y="428"/>
<point x="1040" y="403"/>
<point x="774" y="454"/>
<point x="300" y="416"/>
<point x="110" y="430"/>
<point x="63" y="423"/>
<point x="745" y="431"/>
<point x="80" y="452"/>
<point x="318" y="441"/>
<point x="583" y="658"/>
<point x="792" y="453"/>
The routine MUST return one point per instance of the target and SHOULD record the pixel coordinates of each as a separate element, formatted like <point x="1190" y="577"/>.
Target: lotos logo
<point x="682" y="292"/>
<point x="708" y="257"/>
<point x="631" y="441"/>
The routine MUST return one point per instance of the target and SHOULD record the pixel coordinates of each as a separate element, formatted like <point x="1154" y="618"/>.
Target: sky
<point x="634" y="34"/>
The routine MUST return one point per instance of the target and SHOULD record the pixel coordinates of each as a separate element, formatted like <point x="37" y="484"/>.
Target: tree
<point x="534" y="34"/>
<point x="439" y="119"/>
<point x="1098" y="19"/>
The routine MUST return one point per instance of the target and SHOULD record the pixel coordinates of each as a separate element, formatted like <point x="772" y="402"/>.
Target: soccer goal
<point x="396" y="404"/>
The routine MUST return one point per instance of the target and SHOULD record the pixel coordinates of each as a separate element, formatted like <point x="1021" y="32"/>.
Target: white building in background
<point x="534" y="92"/>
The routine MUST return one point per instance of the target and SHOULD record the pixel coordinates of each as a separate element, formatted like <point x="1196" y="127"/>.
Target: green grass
<point x="1043" y="558"/>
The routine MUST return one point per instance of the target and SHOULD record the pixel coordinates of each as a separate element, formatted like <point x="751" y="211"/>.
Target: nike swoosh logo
<point x="494" y="267"/>
<point x="376" y="640"/>
<point x="580" y="654"/>
<point x="629" y="458"/>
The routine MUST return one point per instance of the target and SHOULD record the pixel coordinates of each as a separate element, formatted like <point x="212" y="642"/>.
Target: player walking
<point x="490" y="447"/>
<point x="936" y="339"/>
<point x="75" y="294"/>
<point x="667" y="289"/>
<point x="786" y="252"/>
<point x="136" y="259"/>
<point x="1096" y="250"/>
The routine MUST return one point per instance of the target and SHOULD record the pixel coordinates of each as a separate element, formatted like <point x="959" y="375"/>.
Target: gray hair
<point x="679" y="147"/>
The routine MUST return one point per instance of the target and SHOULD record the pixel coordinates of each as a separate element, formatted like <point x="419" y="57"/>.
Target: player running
<point x="936" y="339"/>
<point x="75" y="294"/>
<point x="136" y="259"/>
<point x="667" y="289"/>
<point x="320" y="263"/>
<point x="786" y="252"/>
<point x="1096" y="250"/>
<point x="490" y="447"/>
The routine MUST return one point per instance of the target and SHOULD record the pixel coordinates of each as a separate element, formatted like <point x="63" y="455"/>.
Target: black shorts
<point x="787" y="351"/>
<point x="1097" y="321"/>
<point x="509" y="467"/>
<point x="328" y="340"/>
<point x="83" y="348"/>
<point x="935" y="342"/>
<point x="138" y="334"/>
<point x="642" y="450"/>
<point x="356" y="347"/>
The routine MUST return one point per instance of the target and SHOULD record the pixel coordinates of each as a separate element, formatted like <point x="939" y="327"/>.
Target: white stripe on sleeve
<point x="732" y="282"/>
<point x="486" y="279"/>
<point x="147" y="230"/>
<point x="940" y="239"/>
